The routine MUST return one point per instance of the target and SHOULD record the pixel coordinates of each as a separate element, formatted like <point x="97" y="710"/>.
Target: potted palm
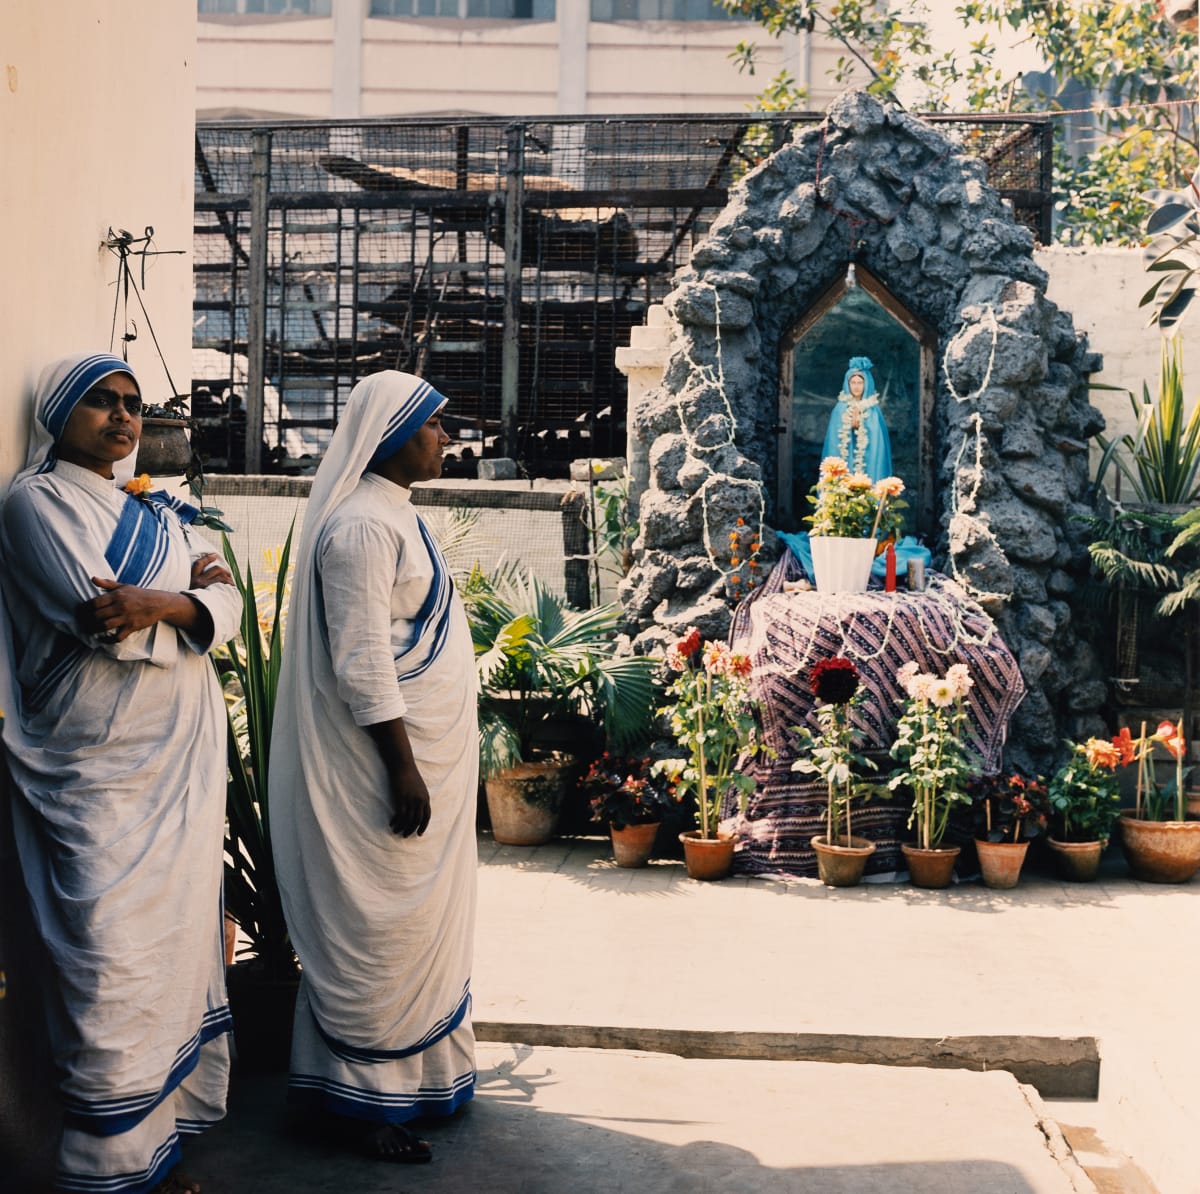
<point x="631" y="800"/>
<point x="850" y="516"/>
<point x="541" y="663"/>
<point x="831" y="754"/>
<point x="263" y="982"/>
<point x="1085" y="802"/>
<point x="713" y="720"/>
<point x="935" y="765"/>
<point x="1161" y="844"/>
<point x="1009" y="814"/>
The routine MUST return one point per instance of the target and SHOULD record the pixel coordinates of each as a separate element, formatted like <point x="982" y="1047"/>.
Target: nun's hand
<point x="410" y="802"/>
<point x="208" y="570"/>
<point x="121" y="610"/>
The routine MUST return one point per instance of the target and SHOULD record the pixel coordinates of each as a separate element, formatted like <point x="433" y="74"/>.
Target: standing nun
<point x="374" y="768"/>
<point x="116" y="735"/>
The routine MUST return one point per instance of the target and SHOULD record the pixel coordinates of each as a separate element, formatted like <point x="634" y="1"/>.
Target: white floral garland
<point x="862" y="436"/>
<point x="989" y="315"/>
<point x="717" y="379"/>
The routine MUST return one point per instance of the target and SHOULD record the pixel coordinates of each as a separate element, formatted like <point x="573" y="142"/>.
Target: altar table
<point x="785" y="631"/>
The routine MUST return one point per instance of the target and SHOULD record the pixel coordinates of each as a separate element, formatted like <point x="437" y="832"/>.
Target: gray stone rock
<point x="1024" y="533"/>
<point x="1038" y="485"/>
<point x="667" y="520"/>
<point x="1022" y="437"/>
<point x="668" y="455"/>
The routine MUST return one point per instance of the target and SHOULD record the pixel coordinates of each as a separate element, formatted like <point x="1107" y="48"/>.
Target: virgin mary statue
<point x="857" y="432"/>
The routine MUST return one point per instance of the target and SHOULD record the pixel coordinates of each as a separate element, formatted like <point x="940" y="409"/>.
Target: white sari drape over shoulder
<point x="117" y="752"/>
<point x="383" y="924"/>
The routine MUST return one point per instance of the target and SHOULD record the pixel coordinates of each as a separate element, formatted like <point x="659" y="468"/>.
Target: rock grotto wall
<point x="1012" y="416"/>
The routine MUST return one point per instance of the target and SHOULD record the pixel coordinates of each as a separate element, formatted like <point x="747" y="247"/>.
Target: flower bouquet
<point x="713" y="720"/>
<point x="935" y="762"/>
<point x="831" y="754"/>
<point x="853" y="518"/>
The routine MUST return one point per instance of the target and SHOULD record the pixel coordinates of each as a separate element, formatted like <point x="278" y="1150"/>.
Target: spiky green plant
<point x="1161" y="460"/>
<point x="251" y="680"/>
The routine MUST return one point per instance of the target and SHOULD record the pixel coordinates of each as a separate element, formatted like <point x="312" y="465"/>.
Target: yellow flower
<point x="138" y="485"/>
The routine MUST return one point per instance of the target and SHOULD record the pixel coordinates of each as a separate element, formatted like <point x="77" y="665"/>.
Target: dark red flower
<point x="835" y="681"/>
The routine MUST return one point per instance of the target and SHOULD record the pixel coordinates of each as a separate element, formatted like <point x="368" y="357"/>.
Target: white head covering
<point x="59" y="390"/>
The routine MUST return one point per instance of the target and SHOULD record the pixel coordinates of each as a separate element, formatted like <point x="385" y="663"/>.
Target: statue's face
<point x="857" y="385"/>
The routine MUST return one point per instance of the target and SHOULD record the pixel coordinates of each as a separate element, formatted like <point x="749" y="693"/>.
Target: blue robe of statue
<point x="867" y="448"/>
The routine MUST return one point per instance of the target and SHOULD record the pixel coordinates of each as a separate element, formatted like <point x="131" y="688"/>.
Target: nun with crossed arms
<point x="116" y="735"/>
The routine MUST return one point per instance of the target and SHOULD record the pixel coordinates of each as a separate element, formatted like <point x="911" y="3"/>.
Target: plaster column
<point x="346" y="88"/>
<point x="572" y="57"/>
<point x="643" y="363"/>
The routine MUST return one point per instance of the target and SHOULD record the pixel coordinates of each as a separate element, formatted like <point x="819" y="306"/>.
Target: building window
<point x="661" y="10"/>
<point x="505" y="10"/>
<point x="247" y="8"/>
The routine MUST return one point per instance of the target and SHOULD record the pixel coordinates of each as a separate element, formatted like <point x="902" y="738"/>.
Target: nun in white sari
<point x="374" y="767"/>
<point x="116" y="731"/>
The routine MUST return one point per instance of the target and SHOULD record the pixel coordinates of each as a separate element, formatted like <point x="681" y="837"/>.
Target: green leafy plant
<point x="713" y="720"/>
<point x="1009" y="809"/>
<point x="1084" y="795"/>
<point x="1161" y="460"/>
<point x="539" y="659"/>
<point x="626" y="791"/>
<point x="851" y="505"/>
<point x="1173" y="253"/>
<point x="832" y="753"/>
<point x="250" y="673"/>
<point x="935" y="761"/>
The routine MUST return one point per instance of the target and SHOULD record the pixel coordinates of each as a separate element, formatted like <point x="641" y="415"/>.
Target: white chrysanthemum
<point x="958" y="676"/>
<point x="920" y="686"/>
<point x="905" y="674"/>
<point x="942" y="694"/>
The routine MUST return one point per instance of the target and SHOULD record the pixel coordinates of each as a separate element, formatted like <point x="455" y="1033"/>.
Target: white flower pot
<point x="841" y="565"/>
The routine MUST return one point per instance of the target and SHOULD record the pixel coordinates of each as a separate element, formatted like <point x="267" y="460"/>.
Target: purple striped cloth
<point x="785" y="632"/>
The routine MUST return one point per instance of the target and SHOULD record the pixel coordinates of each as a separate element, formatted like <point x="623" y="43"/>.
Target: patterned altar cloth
<point x="786" y="631"/>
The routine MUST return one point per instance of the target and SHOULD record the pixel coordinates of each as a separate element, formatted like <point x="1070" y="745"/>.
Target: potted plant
<point x="831" y="754"/>
<point x="850" y="515"/>
<point x="164" y="449"/>
<point x="540" y="662"/>
<point x="264" y="981"/>
<point x="713" y="720"/>
<point x="631" y="800"/>
<point x="935" y="765"/>
<point x="1009" y="814"/>
<point x="1085" y="802"/>
<point x="1160" y="843"/>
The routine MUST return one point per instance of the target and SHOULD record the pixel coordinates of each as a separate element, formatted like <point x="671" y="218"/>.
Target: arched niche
<point x="857" y="316"/>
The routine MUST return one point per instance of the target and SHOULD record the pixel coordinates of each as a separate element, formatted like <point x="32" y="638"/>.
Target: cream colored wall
<point x="1101" y="289"/>
<point x="510" y="68"/>
<point x="96" y="113"/>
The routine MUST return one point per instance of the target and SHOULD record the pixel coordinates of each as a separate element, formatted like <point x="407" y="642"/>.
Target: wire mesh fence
<point x="503" y="260"/>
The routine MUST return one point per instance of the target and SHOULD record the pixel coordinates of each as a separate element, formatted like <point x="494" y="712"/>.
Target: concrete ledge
<point x="1056" y="1067"/>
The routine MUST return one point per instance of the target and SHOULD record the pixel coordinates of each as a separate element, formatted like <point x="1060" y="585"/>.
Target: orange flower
<point x="741" y="522"/>
<point x="1126" y="747"/>
<point x="1101" y="753"/>
<point x="1171" y="736"/>
<point x="138" y="485"/>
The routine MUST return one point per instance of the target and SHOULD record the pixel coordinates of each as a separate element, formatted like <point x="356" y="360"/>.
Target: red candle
<point x="889" y="582"/>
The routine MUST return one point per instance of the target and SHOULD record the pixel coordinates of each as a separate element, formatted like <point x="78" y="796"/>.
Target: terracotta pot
<point x="633" y="845"/>
<point x="841" y="865"/>
<point x="164" y="449"/>
<point x="1000" y="863"/>
<point x="1077" y="861"/>
<point x="707" y="858"/>
<point x="1161" y="851"/>
<point x="930" y="868"/>
<point x="523" y="802"/>
<point x="841" y="565"/>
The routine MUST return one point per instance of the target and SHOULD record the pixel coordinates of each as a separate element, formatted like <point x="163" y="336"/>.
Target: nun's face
<point x="105" y="425"/>
<point x="857" y="385"/>
<point x="420" y="458"/>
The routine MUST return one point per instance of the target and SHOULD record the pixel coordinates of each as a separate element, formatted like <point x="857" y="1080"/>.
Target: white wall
<point x="96" y="114"/>
<point x="1101" y="288"/>
<point x="414" y="66"/>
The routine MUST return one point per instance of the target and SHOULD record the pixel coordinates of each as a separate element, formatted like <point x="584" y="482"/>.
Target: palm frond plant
<point x="249" y="668"/>
<point x="538" y="658"/>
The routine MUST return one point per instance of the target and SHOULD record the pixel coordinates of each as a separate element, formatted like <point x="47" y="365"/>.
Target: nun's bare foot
<point x="177" y="1183"/>
<point x="395" y="1143"/>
